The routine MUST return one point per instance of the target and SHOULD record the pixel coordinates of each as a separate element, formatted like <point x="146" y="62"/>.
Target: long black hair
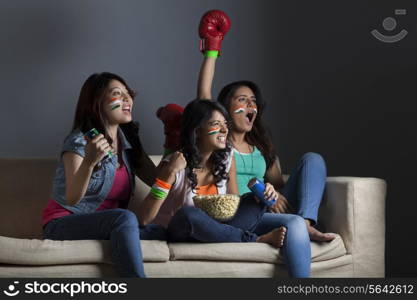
<point x="196" y="113"/>
<point x="258" y="136"/>
<point x="90" y="112"/>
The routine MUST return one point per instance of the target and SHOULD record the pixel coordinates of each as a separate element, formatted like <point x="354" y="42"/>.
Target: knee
<point x="297" y="231"/>
<point x="180" y="225"/>
<point x="185" y="214"/>
<point x="296" y="224"/>
<point x="314" y="159"/>
<point x="126" y="218"/>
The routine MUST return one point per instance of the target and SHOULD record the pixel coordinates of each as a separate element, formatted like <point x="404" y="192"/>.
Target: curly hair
<point x="196" y="113"/>
<point x="258" y="136"/>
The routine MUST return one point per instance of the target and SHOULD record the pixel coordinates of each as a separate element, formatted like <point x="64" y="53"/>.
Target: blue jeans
<point x="296" y="248"/>
<point x="305" y="186"/>
<point x="120" y="226"/>
<point x="190" y="224"/>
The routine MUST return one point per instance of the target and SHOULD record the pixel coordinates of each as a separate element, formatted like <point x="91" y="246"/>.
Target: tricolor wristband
<point x="160" y="189"/>
<point x="211" y="53"/>
<point x="158" y="194"/>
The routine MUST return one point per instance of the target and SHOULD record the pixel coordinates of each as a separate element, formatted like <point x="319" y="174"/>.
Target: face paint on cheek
<point x="239" y="110"/>
<point x="115" y="103"/>
<point x="255" y="110"/>
<point x="213" y="130"/>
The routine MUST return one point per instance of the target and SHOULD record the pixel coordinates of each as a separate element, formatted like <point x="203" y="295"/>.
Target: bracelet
<point x="163" y="184"/>
<point x="158" y="194"/>
<point x="160" y="189"/>
<point x="211" y="53"/>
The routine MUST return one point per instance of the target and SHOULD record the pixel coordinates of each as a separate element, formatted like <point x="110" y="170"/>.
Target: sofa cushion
<point x="50" y="252"/>
<point x="250" y="252"/>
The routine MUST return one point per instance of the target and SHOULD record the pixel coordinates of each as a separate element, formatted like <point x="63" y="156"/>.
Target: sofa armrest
<point x="354" y="207"/>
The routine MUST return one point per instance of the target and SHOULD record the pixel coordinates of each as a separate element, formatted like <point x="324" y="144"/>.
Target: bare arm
<point x="212" y="29"/>
<point x="147" y="171"/>
<point x="149" y="207"/>
<point x="205" y="78"/>
<point x="232" y="183"/>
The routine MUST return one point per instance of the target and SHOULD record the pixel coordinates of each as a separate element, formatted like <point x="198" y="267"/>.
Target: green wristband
<point x="211" y="53"/>
<point x="158" y="194"/>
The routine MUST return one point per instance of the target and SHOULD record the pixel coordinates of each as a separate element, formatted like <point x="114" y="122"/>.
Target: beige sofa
<point x="354" y="208"/>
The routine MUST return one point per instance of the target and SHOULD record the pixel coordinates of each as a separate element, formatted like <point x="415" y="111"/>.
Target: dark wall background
<point x="332" y="87"/>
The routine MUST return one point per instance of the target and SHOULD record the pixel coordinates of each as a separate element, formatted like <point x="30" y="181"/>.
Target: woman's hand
<point x="177" y="162"/>
<point x="282" y="206"/>
<point x="96" y="149"/>
<point x="270" y="192"/>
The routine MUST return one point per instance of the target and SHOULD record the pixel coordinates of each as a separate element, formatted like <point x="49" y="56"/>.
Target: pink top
<point x="120" y="192"/>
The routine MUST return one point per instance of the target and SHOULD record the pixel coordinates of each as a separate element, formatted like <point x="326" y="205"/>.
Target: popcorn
<point x="219" y="207"/>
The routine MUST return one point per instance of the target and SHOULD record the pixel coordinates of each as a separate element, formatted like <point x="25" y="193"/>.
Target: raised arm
<point x="205" y="78"/>
<point x="213" y="27"/>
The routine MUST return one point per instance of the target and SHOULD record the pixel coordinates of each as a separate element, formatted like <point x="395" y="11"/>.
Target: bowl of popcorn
<point x="219" y="207"/>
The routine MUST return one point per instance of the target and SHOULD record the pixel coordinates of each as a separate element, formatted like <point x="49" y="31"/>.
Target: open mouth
<point x="250" y="116"/>
<point x="126" y="109"/>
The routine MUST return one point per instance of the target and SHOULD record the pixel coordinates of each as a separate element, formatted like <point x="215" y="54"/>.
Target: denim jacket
<point x="101" y="180"/>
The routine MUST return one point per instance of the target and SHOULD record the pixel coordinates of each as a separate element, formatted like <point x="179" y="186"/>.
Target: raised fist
<point x="213" y="27"/>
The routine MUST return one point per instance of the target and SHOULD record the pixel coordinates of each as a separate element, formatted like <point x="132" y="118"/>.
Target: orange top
<point x="209" y="189"/>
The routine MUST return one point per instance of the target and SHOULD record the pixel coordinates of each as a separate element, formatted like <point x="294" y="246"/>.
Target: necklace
<point x="244" y="163"/>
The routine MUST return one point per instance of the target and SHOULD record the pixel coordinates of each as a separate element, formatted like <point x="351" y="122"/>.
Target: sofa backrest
<point x="25" y="186"/>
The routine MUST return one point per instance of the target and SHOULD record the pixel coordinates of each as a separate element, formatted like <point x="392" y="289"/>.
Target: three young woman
<point x="95" y="177"/>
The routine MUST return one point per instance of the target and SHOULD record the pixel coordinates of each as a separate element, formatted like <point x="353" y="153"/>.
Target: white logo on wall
<point x="11" y="291"/>
<point x="390" y="24"/>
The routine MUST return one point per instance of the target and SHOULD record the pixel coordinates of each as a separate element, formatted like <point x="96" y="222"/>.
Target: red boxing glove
<point x="170" y="115"/>
<point x="213" y="27"/>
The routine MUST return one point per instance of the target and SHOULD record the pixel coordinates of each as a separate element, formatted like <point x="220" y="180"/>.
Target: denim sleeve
<point x="75" y="142"/>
